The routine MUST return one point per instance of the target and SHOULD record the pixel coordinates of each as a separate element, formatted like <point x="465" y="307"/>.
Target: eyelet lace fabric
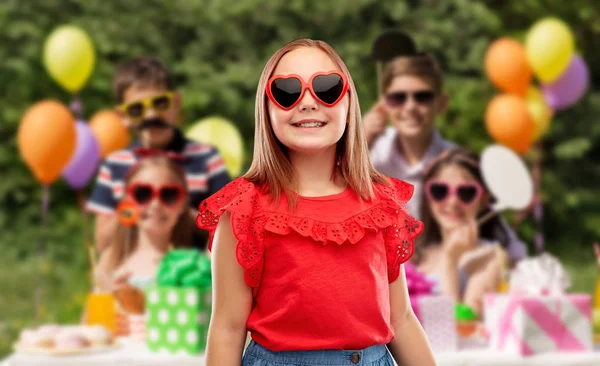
<point x="250" y="222"/>
<point x="400" y="236"/>
<point x="241" y="200"/>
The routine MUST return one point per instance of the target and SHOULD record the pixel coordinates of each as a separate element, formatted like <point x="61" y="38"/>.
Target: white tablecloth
<point x="129" y="353"/>
<point x="488" y="358"/>
<point x="135" y="354"/>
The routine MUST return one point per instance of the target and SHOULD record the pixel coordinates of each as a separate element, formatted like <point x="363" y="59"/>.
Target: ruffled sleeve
<point x="400" y="235"/>
<point x="241" y="199"/>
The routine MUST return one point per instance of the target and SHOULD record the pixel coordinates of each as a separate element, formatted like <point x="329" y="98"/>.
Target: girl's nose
<point x="452" y="201"/>
<point x="154" y="203"/>
<point x="308" y="103"/>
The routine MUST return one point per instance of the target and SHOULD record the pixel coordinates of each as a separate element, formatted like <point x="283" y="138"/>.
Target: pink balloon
<point x="569" y="87"/>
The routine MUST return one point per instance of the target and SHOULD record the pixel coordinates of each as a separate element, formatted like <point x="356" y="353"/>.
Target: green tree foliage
<point x="217" y="50"/>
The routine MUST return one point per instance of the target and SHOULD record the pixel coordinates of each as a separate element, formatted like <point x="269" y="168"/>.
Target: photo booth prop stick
<point x="127" y="213"/>
<point x="507" y="178"/>
<point x="389" y="45"/>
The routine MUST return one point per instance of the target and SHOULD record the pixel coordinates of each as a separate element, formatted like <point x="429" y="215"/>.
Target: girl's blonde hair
<point x="271" y="166"/>
<point x="181" y="235"/>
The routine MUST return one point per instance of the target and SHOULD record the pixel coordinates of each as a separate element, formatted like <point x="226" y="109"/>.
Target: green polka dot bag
<point x="179" y="306"/>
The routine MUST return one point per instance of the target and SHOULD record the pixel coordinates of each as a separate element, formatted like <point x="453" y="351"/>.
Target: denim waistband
<point x="319" y="357"/>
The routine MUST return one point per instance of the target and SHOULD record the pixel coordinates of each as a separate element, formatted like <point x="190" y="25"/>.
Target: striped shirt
<point x="203" y="166"/>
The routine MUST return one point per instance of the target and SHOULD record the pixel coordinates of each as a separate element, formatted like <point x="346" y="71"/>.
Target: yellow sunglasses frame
<point x="146" y="103"/>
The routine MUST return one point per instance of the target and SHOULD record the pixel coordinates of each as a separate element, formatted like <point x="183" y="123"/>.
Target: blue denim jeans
<point x="256" y="355"/>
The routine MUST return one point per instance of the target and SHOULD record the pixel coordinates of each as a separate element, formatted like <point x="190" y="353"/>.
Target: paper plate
<point x="50" y="351"/>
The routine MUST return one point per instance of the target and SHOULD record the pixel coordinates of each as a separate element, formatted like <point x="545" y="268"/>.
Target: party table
<point x="485" y="357"/>
<point x="129" y="353"/>
<point x="135" y="354"/>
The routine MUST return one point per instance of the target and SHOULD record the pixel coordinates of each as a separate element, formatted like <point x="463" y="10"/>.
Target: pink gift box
<point x="436" y="314"/>
<point x="527" y="325"/>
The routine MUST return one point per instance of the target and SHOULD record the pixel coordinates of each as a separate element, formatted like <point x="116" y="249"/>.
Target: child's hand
<point x="106" y="283"/>
<point x="461" y="240"/>
<point x="375" y="120"/>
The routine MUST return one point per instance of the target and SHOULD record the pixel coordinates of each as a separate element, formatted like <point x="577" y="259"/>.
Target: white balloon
<point x="507" y="177"/>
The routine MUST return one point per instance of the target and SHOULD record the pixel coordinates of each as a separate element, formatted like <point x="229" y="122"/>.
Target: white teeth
<point x="310" y="124"/>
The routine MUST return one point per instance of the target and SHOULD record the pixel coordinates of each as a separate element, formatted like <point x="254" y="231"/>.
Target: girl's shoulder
<point x="395" y="190"/>
<point x="238" y="186"/>
<point x="239" y="193"/>
<point x="241" y="198"/>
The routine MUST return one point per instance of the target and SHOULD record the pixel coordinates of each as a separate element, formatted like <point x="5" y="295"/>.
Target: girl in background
<point x="157" y="186"/>
<point x="454" y="249"/>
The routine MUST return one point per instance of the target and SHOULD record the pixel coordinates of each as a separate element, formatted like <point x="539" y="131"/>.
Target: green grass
<point x="66" y="288"/>
<point x="583" y="276"/>
<point x="64" y="291"/>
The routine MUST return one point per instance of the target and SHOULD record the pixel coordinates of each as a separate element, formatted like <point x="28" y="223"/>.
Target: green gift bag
<point x="179" y="306"/>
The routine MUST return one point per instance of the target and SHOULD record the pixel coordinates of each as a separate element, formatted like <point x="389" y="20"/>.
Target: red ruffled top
<point x="320" y="275"/>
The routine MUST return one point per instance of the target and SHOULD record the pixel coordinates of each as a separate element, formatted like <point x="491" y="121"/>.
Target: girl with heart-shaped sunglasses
<point x="308" y="245"/>
<point x="455" y="250"/>
<point x="154" y="217"/>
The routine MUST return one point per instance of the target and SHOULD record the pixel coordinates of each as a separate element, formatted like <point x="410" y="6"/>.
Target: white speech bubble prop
<point x="507" y="177"/>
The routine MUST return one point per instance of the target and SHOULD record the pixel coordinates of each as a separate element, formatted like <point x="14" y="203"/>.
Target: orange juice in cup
<point x="101" y="310"/>
<point x="597" y="293"/>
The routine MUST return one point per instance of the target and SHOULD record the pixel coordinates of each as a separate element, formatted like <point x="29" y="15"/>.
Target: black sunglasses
<point x="399" y="98"/>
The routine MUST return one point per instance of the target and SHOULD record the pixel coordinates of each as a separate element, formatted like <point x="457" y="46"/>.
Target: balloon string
<point x="38" y="295"/>
<point x="485" y="218"/>
<point x="76" y="106"/>
<point x="538" y="214"/>
<point x="91" y="251"/>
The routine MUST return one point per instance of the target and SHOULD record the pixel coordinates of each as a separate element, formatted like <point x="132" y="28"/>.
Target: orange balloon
<point x="47" y="139"/>
<point x="110" y="131"/>
<point x="509" y="123"/>
<point x="507" y="67"/>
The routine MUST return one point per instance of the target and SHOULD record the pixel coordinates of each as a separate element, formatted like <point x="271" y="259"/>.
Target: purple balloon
<point x="84" y="162"/>
<point x="569" y="87"/>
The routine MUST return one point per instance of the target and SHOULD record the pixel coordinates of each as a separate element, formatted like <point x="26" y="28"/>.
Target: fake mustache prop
<point x="153" y="123"/>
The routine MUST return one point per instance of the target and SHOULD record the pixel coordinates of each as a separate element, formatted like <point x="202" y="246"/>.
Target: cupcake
<point x="28" y="338"/>
<point x="131" y="299"/>
<point x="70" y="340"/>
<point x="42" y="337"/>
<point x="97" y="335"/>
<point x="466" y="321"/>
<point x="49" y="330"/>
